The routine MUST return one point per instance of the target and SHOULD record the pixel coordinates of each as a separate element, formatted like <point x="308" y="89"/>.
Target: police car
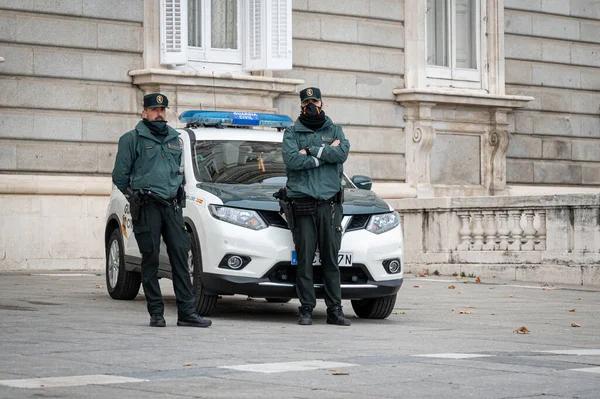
<point x="240" y="242"/>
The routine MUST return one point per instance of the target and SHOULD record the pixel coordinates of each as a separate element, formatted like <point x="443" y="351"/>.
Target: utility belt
<point x="308" y="205"/>
<point x="140" y="197"/>
<point x="293" y="207"/>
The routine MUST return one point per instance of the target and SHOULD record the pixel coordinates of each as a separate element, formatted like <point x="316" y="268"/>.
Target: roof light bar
<point x="197" y="117"/>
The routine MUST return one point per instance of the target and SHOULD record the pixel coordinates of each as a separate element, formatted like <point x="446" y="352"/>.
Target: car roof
<point x="238" y="134"/>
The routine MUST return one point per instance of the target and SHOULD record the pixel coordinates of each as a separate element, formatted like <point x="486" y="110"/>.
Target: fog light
<point x="394" y="266"/>
<point x="235" y="262"/>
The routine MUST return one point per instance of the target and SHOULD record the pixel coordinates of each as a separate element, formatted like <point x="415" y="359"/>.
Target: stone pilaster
<point x="420" y="136"/>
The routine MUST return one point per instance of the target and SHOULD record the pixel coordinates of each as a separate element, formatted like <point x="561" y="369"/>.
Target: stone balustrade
<point x="538" y="238"/>
<point x="502" y="230"/>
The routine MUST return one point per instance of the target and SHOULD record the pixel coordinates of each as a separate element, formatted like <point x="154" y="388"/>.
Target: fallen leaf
<point x="573" y="324"/>
<point x="470" y="307"/>
<point x="452" y="310"/>
<point x="572" y="310"/>
<point x="511" y="296"/>
<point x="492" y="314"/>
<point x="579" y="299"/>
<point x="398" y="312"/>
<point x="492" y="288"/>
<point x="421" y="275"/>
<point x="465" y="282"/>
<point x="478" y="280"/>
<point x="417" y="286"/>
<point x="547" y="289"/>
<point x="451" y="287"/>
<point x="187" y="364"/>
<point x="522" y="330"/>
<point x="338" y="372"/>
<point x="98" y="286"/>
<point x="464" y="312"/>
<point x="459" y="292"/>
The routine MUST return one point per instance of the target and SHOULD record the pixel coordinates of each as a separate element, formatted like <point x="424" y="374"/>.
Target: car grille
<point x="274" y="218"/>
<point x="285" y="272"/>
<point x="358" y="222"/>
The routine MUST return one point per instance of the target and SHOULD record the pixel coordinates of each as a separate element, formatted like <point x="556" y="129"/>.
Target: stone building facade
<point x="505" y="101"/>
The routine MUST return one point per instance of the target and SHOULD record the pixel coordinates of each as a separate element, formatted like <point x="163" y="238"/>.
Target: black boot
<point x="193" y="320"/>
<point x="305" y="318"/>
<point x="157" y="320"/>
<point x="336" y="316"/>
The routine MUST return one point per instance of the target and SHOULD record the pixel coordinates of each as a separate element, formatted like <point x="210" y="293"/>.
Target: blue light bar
<point x="197" y="117"/>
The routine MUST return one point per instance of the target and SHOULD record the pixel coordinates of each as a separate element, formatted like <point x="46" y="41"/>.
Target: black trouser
<point x="322" y="230"/>
<point x="156" y="220"/>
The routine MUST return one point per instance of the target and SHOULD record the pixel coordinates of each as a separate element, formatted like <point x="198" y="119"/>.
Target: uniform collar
<point x="145" y="132"/>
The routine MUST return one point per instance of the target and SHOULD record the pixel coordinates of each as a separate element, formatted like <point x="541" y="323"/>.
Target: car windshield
<point x="242" y="162"/>
<point x="239" y="162"/>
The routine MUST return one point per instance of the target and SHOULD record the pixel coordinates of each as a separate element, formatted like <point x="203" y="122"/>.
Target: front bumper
<point x="356" y="283"/>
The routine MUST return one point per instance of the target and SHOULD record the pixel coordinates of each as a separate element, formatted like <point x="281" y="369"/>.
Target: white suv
<point x="241" y="243"/>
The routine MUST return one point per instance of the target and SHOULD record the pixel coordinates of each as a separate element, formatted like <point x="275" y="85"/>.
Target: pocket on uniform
<point x="143" y="237"/>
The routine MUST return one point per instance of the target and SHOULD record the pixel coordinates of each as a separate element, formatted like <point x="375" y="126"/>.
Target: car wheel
<point x="374" y="308"/>
<point x="278" y="300"/>
<point x="120" y="283"/>
<point x="205" y="304"/>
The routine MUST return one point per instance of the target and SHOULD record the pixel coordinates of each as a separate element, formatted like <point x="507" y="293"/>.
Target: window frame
<point x="452" y="75"/>
<point x="207" y="54"/>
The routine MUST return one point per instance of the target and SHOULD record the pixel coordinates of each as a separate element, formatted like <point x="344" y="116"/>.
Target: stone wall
<point x="354" y="51"/>
<point x="552" y="51"/>
<point x="65" y="99"/>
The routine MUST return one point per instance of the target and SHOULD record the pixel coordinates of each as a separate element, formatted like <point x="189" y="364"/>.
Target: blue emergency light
<point x="222" y="118"/>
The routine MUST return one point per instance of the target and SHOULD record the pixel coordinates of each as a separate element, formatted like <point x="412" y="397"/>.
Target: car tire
<point x="278" y="300"/>
<point x="120" y="283"/>
<point x="205" y="304"/>
<point x="374" y="308"/>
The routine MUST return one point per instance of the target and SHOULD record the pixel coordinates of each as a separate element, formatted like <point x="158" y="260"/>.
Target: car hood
<point x="260" y="197"/>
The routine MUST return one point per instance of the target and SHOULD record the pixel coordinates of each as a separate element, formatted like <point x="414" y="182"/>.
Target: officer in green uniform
<point x="314" y="150"/>
<point x="148" y="170"/>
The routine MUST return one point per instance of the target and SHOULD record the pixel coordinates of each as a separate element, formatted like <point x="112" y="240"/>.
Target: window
<point x="454" y="32"/>
<point x="213" y="31"/>
<point x="246" y="34"/>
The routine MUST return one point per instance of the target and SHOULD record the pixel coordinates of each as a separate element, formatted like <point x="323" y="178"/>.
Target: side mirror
<point x="362" y="182"/>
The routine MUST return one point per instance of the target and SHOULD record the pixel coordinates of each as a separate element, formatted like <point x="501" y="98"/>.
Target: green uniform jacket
<point x="143" y="162"/>
<point x="318" y="175"/>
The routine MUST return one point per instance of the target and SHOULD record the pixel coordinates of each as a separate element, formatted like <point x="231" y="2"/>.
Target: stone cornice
<point x="55" y="185"/>
<point x="220" y="81"/>
<point x="460" y="97"/>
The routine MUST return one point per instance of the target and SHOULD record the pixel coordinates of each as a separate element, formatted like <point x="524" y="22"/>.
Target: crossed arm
<point x="297" y="159"/>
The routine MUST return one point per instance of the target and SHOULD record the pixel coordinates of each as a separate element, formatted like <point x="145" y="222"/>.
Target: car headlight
<point x="384" y="222"/>
<point x="239" y="217"/>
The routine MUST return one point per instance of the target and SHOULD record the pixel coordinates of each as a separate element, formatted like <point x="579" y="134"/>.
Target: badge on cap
<point x="159" y="99"/>
<point x="309" y="92"/>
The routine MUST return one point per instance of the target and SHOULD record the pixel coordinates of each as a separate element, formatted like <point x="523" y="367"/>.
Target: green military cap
<point x="155" y="100"/>
<point x="310" y="92"/>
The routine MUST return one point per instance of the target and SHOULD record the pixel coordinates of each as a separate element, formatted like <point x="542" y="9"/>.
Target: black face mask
<point x="157" y="127"/>
<point x="311" y="110"/>
<point x="312" y="117"/>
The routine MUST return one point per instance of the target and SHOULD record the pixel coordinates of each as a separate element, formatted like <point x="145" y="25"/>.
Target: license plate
<point x="344" y="259"/>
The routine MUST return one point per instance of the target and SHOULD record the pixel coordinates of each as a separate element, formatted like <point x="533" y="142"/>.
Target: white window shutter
<point x="268" y="36"/>
<point x="173" y="32"/>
